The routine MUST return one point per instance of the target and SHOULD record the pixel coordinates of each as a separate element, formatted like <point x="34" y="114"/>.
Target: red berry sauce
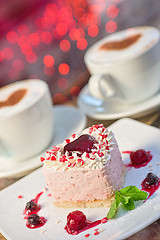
<point x="150" y="184"/>
<point x="139" y="158"/>
<point x="30" y="213"/>
<point x="20" y="196"/>
<point x="32" y="206"/>
<point x="35" y="221"/>
<point x="77" y="223"/>
<point x="85" y="143"/>
<point x="96" y="232"/>
<point x="87" y="235"/>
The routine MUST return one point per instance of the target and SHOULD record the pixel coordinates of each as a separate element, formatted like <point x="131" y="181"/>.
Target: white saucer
<point x="67" y="120"/>
<point x="107" y="110"/>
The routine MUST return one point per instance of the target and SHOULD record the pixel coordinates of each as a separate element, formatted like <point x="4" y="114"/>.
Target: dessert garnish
<point x="85" y="143"/>
<point x="31" y="207"/>
<point x="31" y="213"/>
<point x="35" y="221"/>
<point x="77" y="222"/>
<point x="151" y="183"/>
<point x="139" y="158"/>
<point x="126" y="197"/>
<point x="20" y="196"/>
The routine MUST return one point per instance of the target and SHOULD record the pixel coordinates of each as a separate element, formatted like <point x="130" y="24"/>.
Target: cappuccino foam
<point x="18" y="96"/>
<point x="116" y="51"/>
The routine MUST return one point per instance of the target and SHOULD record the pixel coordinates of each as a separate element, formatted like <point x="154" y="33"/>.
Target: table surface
<point x="152" y="231"/>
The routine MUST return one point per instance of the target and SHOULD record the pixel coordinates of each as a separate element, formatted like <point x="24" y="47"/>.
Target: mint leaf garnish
<point x="130" y="205"/>
<point x="125" y="199"/>
<point x="112" y="209"/>
<point x="126" y="196"/>
<point x="117" y="197"/>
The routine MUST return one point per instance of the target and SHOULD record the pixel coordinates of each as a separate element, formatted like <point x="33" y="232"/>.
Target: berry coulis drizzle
<point x="150" y="184"/>
<point x="77" y="223"/>
<point x="30" y="213"/>
<point x="139" y="158"/>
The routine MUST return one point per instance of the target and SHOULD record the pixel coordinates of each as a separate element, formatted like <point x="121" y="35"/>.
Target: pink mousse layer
<point x="86" y="184"/>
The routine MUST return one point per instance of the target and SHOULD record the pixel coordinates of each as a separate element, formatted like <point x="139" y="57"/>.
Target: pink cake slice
<point x="85" y="170"/>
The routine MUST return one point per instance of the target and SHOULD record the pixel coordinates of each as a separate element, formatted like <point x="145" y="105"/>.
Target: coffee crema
<point x="119" y="45"/>
<point x="14" y="98"/>
<point x="122" y="46"/>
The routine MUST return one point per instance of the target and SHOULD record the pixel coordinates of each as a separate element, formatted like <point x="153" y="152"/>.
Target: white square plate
<point x="131" y="135"/>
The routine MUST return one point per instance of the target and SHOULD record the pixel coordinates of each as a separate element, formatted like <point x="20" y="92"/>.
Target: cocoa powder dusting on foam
<point x="119" y="45"/>
<point x="14" y="98"/>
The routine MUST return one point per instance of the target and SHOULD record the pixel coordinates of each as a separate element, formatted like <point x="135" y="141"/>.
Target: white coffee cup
<point x="125" y="66"/>
<point x="26" y="119"/>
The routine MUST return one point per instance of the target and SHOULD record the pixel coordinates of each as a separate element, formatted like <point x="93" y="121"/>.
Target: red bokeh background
<point x="48" y="39"/>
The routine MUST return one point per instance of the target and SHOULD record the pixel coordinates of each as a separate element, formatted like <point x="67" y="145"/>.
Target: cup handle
<point x="103" y="86"/>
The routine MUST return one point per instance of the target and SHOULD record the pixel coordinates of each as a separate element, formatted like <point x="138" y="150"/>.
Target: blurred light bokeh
<point x="48" y="39"/>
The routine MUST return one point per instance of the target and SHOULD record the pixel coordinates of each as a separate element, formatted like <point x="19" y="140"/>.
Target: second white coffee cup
<point x="26" y="119"/>
<point x="125" y="66"/>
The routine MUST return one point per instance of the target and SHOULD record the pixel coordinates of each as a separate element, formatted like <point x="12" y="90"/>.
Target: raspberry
<point x="76" y="220"/>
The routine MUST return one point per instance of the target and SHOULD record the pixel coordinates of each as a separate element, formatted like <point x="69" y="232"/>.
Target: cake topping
<point x="85" y="143"/>
<point x="89" y="150"/>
